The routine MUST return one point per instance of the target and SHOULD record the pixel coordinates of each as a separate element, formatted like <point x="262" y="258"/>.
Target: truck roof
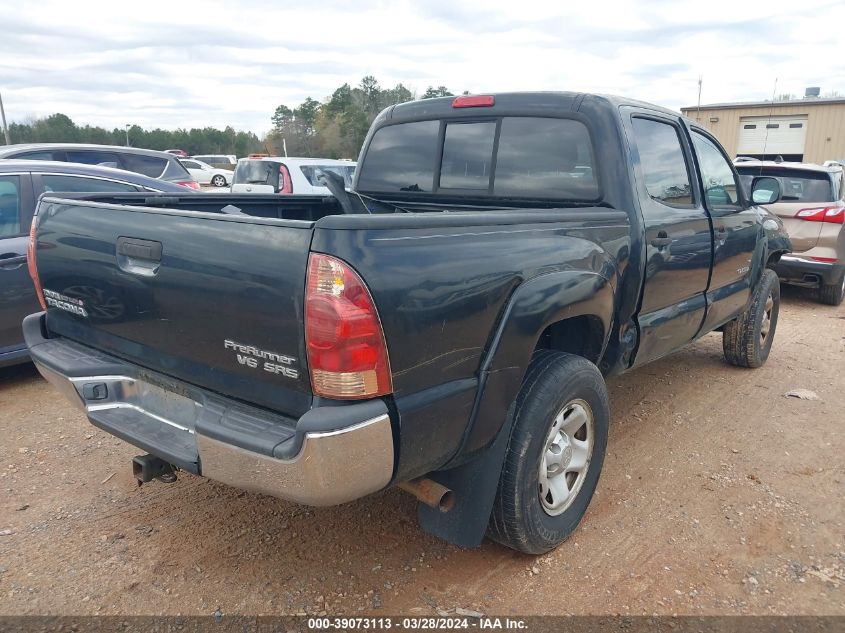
<point x="535" y="103"/>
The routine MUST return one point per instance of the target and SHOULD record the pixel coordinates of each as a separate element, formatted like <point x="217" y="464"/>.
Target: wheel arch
<point x="568" y="311"/>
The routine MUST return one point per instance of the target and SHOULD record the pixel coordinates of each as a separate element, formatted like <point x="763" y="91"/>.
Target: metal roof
<point x="810" y="101"/>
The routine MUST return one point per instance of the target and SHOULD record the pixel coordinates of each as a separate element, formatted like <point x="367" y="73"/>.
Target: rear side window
<point x="401" y="158"/>
<point x="92" y="157"/>
<point x="796" y="185"/>
<point x="10" y="206"/>
<point x="533" y="157"/>
<point x="662" y="162"/>
<point x="151" y="166"/>
<point x="38" y="156"/>
<point x="55" y="182"/>
<point x="553" y="157"/>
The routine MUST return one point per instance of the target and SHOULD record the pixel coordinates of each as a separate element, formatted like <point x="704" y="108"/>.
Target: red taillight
<point x="347" y="354"/>
<point x="284" y="180"/>
<point x="834" y="215"/>
<point x="32" y="266"/>
<point x="190" y="184"/>
<point x="826" y="260"/>
<point x="473" y="101"/>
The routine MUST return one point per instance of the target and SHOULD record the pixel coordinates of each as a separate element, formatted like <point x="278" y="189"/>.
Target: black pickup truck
<point x="445" y="326"/>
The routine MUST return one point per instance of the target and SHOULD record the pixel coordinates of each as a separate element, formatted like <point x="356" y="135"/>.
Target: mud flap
<point x="474" y="485"/>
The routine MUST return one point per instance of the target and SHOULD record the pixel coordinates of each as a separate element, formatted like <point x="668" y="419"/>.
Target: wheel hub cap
<point x="566" y="456"/>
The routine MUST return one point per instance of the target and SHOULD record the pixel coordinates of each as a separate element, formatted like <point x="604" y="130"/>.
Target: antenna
<point x="769" y="120"/>
<point x="698" y="113"/>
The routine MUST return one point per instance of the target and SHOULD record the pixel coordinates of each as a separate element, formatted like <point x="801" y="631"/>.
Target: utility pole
<point x="285" y="146"/>
<point x="127" y="134"/>
<point x="5" y="127"/>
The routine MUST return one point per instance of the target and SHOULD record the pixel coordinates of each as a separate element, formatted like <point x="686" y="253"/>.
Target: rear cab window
<point x="503" y="157"/>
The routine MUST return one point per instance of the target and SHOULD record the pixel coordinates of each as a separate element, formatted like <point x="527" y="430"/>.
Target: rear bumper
<point x="328" y="456"/>
<point x="807" y="272"/>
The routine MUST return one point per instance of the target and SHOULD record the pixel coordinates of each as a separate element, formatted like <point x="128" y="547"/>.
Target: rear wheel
<point x="832" y="294"/>
<point x="747" y="340"/>
<point x="555" y="453"/>
<point x="218" y="181"/>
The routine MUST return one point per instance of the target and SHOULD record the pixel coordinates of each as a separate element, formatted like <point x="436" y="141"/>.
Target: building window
<point x="795" y="125"/>
<point x="749" y="127"/>
<point x="772" y="126"/>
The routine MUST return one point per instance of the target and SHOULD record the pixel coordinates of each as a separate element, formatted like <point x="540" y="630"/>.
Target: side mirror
<point x="765" y="190"/>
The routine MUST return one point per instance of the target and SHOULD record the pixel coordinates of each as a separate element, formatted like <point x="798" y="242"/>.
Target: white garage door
<point x="772" y="135"/>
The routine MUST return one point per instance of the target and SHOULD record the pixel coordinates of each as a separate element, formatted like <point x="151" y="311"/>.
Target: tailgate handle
<point x="139" y="249"/>
<point x="137" y="256"/>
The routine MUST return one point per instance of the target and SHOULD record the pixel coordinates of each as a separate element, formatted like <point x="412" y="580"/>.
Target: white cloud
<point x="192" y="64"/>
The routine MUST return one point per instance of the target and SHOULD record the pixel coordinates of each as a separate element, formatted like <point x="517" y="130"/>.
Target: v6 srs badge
<point x="257" y="358"/>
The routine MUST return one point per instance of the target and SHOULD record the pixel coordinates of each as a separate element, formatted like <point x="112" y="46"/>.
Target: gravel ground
<point x="719" y="496"/>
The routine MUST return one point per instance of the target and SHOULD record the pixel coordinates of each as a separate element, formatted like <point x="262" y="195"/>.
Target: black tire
<point x="553" y="382"/>
<point x="832" y="294"/>
<point x="218" y="181"/>
<point x="744" y="340"/>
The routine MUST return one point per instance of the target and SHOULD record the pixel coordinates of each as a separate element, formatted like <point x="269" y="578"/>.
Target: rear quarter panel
<point x="441" y="283"/>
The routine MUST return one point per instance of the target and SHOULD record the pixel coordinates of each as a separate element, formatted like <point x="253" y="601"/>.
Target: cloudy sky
<point x="182" y="63"/>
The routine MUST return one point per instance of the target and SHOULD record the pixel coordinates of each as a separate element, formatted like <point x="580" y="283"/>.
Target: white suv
<point x="280" y="174"/>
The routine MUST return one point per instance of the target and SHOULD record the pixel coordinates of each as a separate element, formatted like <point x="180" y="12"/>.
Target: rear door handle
<point x="721" y="232"/>
<point x="7" y="260"/>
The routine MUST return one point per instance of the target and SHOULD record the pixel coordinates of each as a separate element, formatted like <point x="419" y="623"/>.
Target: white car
<point x="281" y="174"/>
<point x="205" y="174"/>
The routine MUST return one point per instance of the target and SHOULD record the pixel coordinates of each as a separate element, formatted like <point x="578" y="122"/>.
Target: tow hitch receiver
<point x="149" y="467"/>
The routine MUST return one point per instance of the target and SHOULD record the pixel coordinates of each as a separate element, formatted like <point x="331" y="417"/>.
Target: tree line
<point x="336" y="127"/>
<point x="59" y="128"/>
<point x="332" y="128"/>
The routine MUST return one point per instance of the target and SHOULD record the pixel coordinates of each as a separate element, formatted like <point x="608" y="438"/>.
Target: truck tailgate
<point x="215" y="300"/>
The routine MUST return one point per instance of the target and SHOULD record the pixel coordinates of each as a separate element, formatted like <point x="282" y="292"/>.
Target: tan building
<point x="811" y="130"/>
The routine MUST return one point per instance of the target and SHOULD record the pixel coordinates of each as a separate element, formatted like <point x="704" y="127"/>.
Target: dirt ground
<point x="719" y="496"/>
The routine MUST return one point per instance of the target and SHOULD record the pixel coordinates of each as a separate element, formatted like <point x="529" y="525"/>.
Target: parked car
<point x="159" y="165"/>
<point x="812" y="207"/>
<point x="276" y="174"/>
<point x="446" y="327"/>
<point x="179" y="153"/>
<point x="220" y="161"/>
<point x="205" y="174"/>
<point x="21" y="182"/>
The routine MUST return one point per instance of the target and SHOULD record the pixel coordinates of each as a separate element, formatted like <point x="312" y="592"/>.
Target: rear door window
<point x="662" y="162"/>
<point x="151" y="166"/>
<point x="10" y="206"/>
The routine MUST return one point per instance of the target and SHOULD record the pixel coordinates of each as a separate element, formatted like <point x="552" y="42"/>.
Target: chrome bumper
<point x="331" y="466"/>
